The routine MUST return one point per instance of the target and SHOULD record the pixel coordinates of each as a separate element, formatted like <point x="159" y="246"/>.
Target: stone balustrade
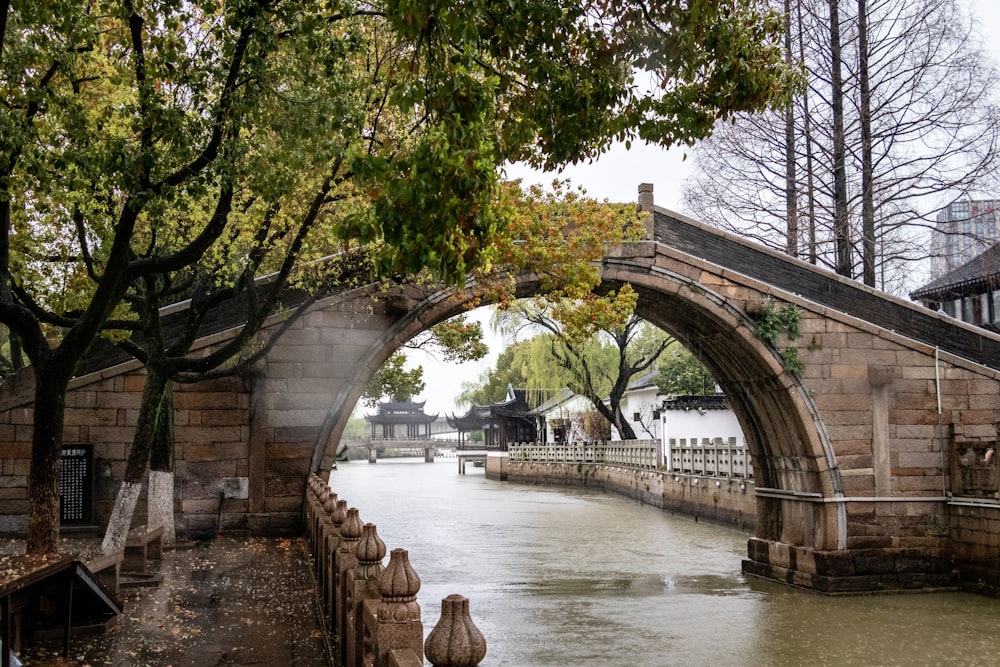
<point x="646" y="454"/>
<point x="710" y="457"/>
<point x="372" y="609"/>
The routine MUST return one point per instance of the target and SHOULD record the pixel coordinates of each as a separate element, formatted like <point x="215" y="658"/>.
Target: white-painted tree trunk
<point x="121" y="517"/>
<point x="160" y="503"/>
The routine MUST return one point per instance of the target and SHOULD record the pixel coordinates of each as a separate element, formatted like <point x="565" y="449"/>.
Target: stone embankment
<point x="713" y="481"/>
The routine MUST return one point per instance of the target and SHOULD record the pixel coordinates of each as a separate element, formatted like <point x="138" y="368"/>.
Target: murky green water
<point x="574" y="577"/>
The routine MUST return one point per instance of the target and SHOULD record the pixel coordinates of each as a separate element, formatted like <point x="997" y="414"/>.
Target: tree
<point x="508" y="371"/>
<point x="591" y="425"/>
<point x="633" y="347"/>
<point x="167" y="357"/>
<point x="920" y="129"/>
<point x="134" y="139"/>
<point x="455" y="340"/>
<point x="394" y="381"/>
<point x="681" y="374"/>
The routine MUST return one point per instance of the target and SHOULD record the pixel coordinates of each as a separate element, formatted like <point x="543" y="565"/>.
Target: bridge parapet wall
<point x="701" y="488"/>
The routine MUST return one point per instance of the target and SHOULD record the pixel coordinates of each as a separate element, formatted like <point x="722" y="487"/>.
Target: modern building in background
<point x="965" y="229"/>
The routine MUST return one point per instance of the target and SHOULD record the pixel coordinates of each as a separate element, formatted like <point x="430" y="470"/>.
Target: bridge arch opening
<point x="786" y="439"/>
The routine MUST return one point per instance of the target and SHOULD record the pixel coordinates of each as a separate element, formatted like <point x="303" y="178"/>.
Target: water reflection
<point x="576" y="577"/>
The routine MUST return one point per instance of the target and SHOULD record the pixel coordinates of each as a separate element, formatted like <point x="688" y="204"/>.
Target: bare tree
<point x="920" y="129"/>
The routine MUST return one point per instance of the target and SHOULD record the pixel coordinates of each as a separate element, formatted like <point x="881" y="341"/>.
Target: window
<point x="968" y="306"/>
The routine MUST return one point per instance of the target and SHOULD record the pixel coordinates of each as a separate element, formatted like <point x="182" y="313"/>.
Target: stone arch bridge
<point x="869" y="460"/>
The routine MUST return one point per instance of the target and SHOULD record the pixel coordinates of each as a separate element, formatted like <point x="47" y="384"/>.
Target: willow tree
<point x="135" y="138"/>
<point x="594" y="352"/>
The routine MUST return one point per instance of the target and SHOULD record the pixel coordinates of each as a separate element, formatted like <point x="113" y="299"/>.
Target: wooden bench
<point x="107" y="569"/>
<point x="142" y="545"/>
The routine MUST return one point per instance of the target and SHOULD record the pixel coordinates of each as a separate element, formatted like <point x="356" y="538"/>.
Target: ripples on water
<point x="575" y="577"/>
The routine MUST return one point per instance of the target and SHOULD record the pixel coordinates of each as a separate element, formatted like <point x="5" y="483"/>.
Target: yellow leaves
<point x="559" y="237"/>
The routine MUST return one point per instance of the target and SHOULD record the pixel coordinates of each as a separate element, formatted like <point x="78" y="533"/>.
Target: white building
<point x="693" y="419"/>
<point x="559" y="417"/>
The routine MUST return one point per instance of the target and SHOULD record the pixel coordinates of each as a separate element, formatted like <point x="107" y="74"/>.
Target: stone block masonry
<point x="731" y="502"/>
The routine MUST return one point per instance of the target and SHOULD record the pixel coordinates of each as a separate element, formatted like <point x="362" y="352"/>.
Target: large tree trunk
<point x="841" y="224"/>
<point x="138" y="459"/>
<point x="121" y="516"/>
<point x="625" y="430"/>
<point x="867" y="172"/>
<point x="160" y="499"/>
<point x="791" y="178"/>
<point x="810" y="165"/>
<point x="46" y="448"/>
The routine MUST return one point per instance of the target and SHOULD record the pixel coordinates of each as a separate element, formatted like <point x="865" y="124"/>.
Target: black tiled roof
<point x="984" y="269"/>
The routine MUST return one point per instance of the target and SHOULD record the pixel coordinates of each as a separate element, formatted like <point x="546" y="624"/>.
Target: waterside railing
<point x="709" y="457"/>
<point x="371" y="610"/>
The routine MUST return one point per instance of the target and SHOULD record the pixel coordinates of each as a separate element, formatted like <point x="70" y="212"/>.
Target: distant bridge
<point x="428" y="448"/>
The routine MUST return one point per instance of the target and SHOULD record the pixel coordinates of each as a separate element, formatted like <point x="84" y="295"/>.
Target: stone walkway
<point x="228" y="602"/>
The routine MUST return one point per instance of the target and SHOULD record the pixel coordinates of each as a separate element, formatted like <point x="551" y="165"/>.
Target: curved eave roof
<point x="712" y="402"/>
<point x="401" y="419"/>
<point x="476" y="417"/>
<point x="981" y="271"/>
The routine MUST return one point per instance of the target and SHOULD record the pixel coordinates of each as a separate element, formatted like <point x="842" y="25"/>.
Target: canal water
<point x="577" y="577"/>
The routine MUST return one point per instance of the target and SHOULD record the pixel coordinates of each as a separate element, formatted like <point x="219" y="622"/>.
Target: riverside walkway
<point x="232" y="601"/>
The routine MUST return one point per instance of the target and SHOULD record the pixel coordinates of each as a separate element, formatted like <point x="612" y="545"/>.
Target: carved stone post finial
<point x="455" y="641"/>
<point x="399" y="626"/>
<point x="352" y="527"/>
<point x="370" y="552"/>
<point x="339" y="513"/>
<point x="330" y="504"/>
<point x="399" y="585"/>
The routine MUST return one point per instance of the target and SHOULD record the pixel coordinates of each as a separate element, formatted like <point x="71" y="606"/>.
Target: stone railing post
<point x="317" y="519"/>
<point x="326" y="529"/>
<point x="362" y="585"/>
<point x="337" y="518"/>
<point x="397" y="625"/>
<point x="455" y="641"/>
<point x="309" y="507"/>
<point x="347" y="558"/>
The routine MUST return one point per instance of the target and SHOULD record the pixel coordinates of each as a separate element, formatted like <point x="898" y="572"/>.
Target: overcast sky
<point x="616" y="177"/>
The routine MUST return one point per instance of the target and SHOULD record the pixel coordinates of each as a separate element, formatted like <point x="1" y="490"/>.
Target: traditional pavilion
<point x="477" y="418"/>
<point x="502" y="422"/>
<point x="401" y="420"/>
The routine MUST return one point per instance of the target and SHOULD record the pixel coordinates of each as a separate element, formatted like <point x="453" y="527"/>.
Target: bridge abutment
<point x="856" y="570"/>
